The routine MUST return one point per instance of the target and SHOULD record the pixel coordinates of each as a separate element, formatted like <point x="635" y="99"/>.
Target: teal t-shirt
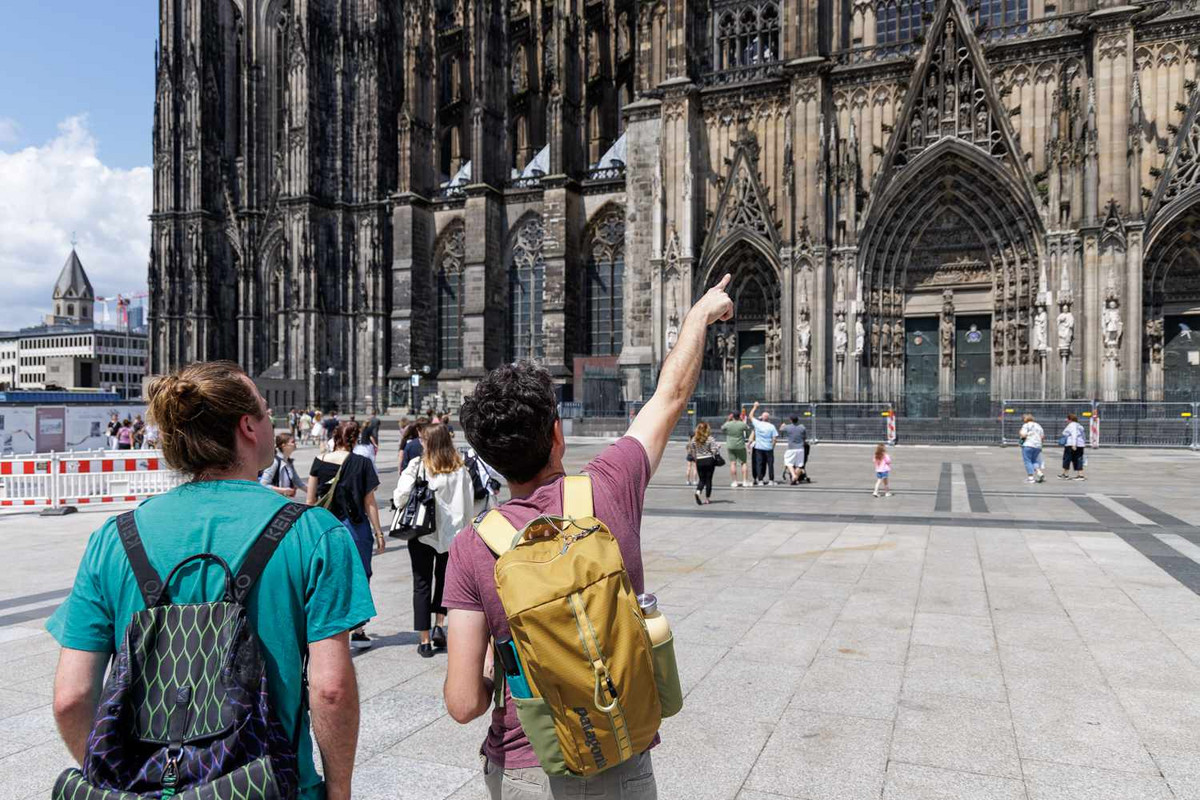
<point x="313" y="587"/>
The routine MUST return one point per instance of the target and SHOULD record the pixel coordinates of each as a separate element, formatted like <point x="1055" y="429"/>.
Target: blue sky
<point x="76" y="110"/>
<point x="60" y="58"/>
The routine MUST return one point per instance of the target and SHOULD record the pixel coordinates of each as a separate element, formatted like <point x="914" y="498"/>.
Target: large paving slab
<point x="831" y="645"/>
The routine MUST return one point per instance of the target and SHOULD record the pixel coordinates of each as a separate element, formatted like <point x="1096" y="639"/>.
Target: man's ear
<point x="559" y="439"/>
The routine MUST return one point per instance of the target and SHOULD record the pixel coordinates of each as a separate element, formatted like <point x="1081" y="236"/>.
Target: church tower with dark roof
<point x="74" y="299"/>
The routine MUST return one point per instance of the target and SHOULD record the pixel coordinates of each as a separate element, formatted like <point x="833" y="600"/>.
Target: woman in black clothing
<point x="353" y="500"/>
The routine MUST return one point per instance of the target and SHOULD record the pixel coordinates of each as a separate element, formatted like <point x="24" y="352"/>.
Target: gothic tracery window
<point x="899" y="21"/>
<point x="526" y="278"/>
<point x="449" y="261"/>
<point x="747" y="34"/>
<point x="605" y="284"/>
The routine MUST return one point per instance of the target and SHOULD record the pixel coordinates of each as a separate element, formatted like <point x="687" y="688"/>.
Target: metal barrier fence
<point x="1142" y="424"/>
<point x="854" y="422"/>
<point x="683" y="428"/>
<point x="54" y="480"/>
<point x="1127" y="423"/>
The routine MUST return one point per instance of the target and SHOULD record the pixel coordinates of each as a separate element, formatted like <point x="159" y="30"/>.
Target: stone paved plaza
<point x="970" y="637"/>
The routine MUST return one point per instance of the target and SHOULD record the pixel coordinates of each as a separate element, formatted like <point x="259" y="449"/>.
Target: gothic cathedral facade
<point x="924" y="202"/>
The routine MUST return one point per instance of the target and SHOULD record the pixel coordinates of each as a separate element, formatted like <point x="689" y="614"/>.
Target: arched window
<point x="747" y="34"/>
<point x="903" y="20"/>
<point x="605" y="284"/>
<point x="526" y="278"/>
<point x="281" y="59"/>
<point x="448" y="259"/>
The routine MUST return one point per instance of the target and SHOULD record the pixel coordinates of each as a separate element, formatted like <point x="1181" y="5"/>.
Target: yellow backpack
<point x="595" y="689"/>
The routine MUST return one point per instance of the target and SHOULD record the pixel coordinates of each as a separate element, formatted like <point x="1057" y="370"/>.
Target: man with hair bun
<point x="213" y="426"/>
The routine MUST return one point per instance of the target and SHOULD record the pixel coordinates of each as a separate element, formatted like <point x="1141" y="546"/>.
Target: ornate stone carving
<point x="1041" y="334"/>
<point x="451" y="251"/>
<point x="1066" y="329"/>
<point x="947" y="328"/>
<point x="744" y="204"/>
<point x="803" y="336"/>
<point x="860" y="335"/>
<point x="841" y="336"/>
<point x="1113" y="329"/>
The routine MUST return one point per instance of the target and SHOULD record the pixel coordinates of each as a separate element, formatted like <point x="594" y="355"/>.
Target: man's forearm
<point x="74" y="726"/>
<point x="336" y="728"/>
<point x="681" y="369"/>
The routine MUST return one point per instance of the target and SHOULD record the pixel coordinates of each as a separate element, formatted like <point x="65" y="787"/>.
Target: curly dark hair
<point x="509" y="419"/>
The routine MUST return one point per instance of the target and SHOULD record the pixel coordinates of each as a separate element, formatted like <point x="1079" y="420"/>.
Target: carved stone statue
<point x="1041" y="322"/>
<point x="672" y="332"/>
<point x="1066" y="329"/>
<point x="898" y="341"/>
<point x="1154" y="339"/>
<point x="803" y="336"/>
<point x="860" y="335"/>
<point x="947" y="328"/>
<point x="1114" y="328"/>
<point x="841" y="336"/>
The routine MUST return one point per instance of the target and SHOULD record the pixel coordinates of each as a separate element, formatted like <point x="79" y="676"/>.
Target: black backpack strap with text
<point x="149" y="582"/>
<point x="263" y="548"/>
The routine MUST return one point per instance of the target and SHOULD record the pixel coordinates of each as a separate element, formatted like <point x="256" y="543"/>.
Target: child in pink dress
<point x="883" y="468"/>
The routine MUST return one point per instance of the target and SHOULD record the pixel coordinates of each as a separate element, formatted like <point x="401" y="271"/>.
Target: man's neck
<point x="551" y="472"/>
<point x="237" y="474"/>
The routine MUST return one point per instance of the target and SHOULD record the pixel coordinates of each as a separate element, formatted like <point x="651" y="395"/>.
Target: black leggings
<point x="764" y="463"/>
<point x="427" y="598"/>
<point x="705" y="467"/>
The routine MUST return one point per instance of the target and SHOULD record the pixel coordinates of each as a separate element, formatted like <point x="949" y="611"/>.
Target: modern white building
<point x="70" y="350"/>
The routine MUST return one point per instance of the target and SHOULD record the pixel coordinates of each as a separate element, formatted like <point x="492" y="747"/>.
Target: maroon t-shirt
<point x="619" y="477"/>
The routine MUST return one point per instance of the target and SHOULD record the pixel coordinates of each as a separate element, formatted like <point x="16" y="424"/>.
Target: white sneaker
<point x="743" y="484"/>
<point x="1031" y="479"/>
<point x="887" y="494"/>
<point x="733" y="485"/>
<point x="874" y="494"/>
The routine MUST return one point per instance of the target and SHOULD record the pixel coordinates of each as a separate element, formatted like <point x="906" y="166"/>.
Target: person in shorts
<point x="511" y="420"/>
<point x="1031" y="449"/>
<point x="1073" y="441"/>
<point x="736" y="432"/>
<point x="793" y="457"/>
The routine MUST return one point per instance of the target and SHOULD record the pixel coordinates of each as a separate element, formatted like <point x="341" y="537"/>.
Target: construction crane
<point x="123" y="302"/>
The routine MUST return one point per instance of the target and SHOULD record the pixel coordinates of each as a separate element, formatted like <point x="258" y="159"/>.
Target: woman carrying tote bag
<point x="442" y="466"/>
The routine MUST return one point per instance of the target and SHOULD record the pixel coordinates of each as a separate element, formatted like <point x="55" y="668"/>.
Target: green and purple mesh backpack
<point x="184" y="713"/>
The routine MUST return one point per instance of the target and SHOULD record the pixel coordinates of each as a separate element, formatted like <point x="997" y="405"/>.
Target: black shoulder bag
<point x="418" y="517"/>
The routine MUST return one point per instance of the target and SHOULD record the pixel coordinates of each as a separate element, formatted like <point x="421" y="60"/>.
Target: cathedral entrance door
<point x="752" y="366"/>
<point x="1181" y="359"/>
<point x="973" y="365"/>
<point x="921" y="367"/>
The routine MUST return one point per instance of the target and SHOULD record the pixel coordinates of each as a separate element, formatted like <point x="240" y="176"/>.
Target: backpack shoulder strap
<point x="577" y="496"/>
<point x="149" y="582"/>
<point x="263" y="548"/>
<point x="496" y="531"/>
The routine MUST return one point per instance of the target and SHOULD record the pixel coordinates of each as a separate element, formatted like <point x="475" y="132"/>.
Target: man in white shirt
<point x="762" y="441"/>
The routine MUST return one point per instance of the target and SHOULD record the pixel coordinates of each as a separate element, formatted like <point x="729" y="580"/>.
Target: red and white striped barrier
<point x="74" y="479"/>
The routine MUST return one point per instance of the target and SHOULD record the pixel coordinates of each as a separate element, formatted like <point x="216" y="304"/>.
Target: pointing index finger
<point x="724" y="282"/>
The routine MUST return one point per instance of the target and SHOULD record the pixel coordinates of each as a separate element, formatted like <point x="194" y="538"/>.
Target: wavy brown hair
<point x="702" y="433"/>
<point x="439" y="456"/>
<point x="345" y="435"/>
<point x="197" y="409"/>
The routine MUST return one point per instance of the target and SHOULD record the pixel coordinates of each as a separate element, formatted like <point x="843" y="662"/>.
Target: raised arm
<point x="680" y="371"/>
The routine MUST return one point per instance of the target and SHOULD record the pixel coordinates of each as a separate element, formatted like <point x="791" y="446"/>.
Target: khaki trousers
<point x="633" y="780"/>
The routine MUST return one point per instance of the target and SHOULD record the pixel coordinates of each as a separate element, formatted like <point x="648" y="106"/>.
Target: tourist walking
<point x="511" y="420"/>
<point x="345" y="483"/>
<point x="317" y="430"/>
<point x="281" y="475"/>
<point x="410" y="441"/>
<point x="114" y="427"/>
<point x="125" y="435"/>
<point x="443" y="468"/>
<point x="794" y="456"/>
<point x="762" y="442"/>
<point x="1073" y="443"/>
<point x="736" y="433"/>
<point x="329" y="424"/>
<point x="370" y="433"/>
<point x="883" y="470"/>
<point x="139" y="430"/>
<point x="704" y="452"/>
<point x="306" y="598"/>
<point x="1031" y="449"/>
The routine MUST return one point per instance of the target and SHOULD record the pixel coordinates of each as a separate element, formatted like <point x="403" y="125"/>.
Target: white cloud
<point x="9" y="131"/>
<point x="60" y="189"/>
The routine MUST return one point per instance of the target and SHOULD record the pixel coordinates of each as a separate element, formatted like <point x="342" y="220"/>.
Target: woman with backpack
<point x="345" y="483"/>
<point x="281" y="476"/>
<point x="442" y="467"/>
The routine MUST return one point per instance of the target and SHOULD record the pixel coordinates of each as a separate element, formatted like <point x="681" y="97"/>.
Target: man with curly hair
<point x="511" y="420"/>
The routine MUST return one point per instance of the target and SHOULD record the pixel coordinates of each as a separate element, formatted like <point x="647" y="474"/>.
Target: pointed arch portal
<point x="953" y="220"/>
